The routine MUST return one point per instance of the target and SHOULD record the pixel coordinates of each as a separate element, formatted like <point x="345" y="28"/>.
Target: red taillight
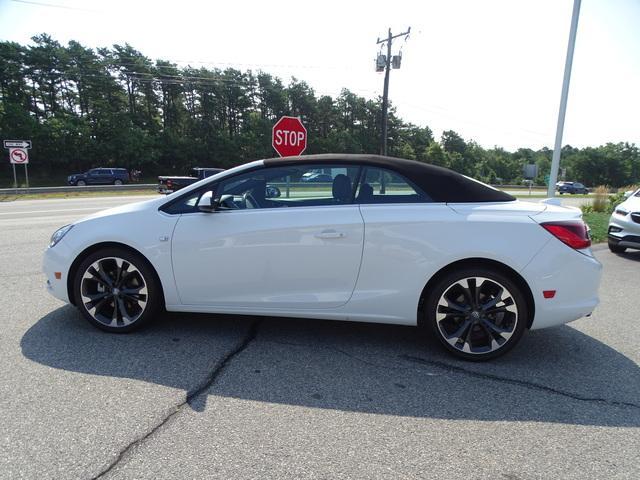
<point x="573" y="233"/>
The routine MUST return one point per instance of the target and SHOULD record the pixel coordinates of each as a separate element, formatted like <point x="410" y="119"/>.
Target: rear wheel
<point x="615" y="248"/>
<point x="477" y="313"/>
<point x="117" y="182"/>
<point x="116" y="290"/>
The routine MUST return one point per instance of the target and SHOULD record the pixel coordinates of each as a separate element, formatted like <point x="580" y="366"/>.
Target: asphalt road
<point x="198" y="396"/>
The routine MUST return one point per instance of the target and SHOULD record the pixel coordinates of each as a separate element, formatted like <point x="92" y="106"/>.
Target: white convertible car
<point x="380" y="240"/>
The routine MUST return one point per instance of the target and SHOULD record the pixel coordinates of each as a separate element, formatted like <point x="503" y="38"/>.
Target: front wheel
<point x="117" y="290"/>
<point x="81" y="183"/>
<point x="477" y="313"/>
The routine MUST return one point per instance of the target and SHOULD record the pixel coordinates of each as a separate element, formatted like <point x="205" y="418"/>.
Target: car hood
<point x="632" y="204"/>
<point x="145" y="205"/>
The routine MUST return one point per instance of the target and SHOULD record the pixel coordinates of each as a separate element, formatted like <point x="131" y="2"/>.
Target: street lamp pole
<point x="555" y="161"/>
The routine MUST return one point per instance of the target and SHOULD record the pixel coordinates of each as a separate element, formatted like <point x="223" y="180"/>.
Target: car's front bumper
<point x="56" y="264"/>
<point x="624" y="231"/>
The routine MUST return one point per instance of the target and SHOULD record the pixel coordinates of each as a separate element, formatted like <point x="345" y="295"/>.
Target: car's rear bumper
<point x="573" y="275"/>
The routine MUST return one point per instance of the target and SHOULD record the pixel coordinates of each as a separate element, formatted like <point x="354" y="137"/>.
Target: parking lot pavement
<point x="197" y="396"/>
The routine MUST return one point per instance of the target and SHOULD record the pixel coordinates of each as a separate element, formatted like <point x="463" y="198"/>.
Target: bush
<point x="587" y="208"/>
<point x="601" y="200"/>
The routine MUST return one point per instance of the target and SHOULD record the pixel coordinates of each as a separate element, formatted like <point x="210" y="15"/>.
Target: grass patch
<point x="598" y="221"/>
<point x="524" y="196"/>
<point x="44" y="196"/>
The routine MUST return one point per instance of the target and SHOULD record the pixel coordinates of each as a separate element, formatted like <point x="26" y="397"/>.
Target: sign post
<point x="18" y="155"/>
<point x="289" y="137"/>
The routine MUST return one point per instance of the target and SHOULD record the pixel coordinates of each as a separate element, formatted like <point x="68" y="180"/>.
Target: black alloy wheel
<point x="477" y="314"/>
<point x="116" y="290"/>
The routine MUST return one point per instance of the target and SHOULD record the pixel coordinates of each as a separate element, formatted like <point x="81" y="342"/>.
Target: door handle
<point x="330" y="234"/>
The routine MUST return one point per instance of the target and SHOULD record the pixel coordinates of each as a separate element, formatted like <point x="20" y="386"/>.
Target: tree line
<point x="85" y="107"/>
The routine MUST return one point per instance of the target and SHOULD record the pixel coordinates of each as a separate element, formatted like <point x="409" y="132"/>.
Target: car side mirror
<point x="628" y="193"/>
<point x="272" y="192"/>
<point x="209" y="203"/>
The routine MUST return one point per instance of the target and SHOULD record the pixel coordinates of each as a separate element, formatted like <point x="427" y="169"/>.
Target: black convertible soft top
<point x="441" y="184"/>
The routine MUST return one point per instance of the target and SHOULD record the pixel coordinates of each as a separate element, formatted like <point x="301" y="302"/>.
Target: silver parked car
<point x="624" y="224"/>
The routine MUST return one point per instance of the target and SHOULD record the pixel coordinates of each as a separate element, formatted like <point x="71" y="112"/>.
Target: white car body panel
<point x="405" y="245"/>
<point x="153" y="231"/>
<point x="270" y="261"/>
<point x="301" y="258"/>
<point x="628" y="234"/>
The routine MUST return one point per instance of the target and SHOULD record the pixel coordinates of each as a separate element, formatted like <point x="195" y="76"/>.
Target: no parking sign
<point x="18" y="155"/>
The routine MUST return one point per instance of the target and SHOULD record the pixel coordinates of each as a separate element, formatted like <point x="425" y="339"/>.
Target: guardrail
<point x="86" y="188"/>
<point x="154" y="187"/>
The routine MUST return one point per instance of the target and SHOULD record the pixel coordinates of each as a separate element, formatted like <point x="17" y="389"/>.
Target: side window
<point x="379" y="185"/>
<point x="302" y="185"/>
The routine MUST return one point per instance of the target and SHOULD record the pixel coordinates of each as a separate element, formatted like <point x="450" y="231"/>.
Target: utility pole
<point x="557" y="149"/>
<point x="385" y="94"/>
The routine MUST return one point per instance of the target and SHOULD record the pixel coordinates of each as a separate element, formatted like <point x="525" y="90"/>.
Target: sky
<point x="489" y="69"/>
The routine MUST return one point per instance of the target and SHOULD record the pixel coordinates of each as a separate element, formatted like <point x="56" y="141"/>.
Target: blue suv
<point x="100" y="176"/>
<point x="572" y="188"/>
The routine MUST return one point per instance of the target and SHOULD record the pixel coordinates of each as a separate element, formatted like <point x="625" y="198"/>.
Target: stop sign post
<point x="289" y="137"/>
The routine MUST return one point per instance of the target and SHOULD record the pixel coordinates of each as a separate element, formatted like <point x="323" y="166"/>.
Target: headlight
<point x="59" y="234"/>
<point x="621" y="211"/>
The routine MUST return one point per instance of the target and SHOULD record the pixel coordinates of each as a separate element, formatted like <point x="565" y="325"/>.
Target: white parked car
<point x="390" y="241"/>
<point x="624" y="224"/>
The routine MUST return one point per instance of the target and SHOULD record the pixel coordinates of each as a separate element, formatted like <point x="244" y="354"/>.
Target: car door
<point x="299" y="251"/>
<point x="92" y="176"/>
<point x="106" y="176"/>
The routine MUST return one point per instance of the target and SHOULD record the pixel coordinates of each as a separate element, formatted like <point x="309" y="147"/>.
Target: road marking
<point x="53" y="211"/>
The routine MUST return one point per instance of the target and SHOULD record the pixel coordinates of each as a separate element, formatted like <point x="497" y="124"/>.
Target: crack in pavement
<point x="521" y="383"/>
<point x="250" y="337"/>
<point x="343" y="352"/>
<point x="190" y="397"/>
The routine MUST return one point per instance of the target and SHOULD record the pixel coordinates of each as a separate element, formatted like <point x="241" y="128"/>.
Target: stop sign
<point x="289" y="137"/>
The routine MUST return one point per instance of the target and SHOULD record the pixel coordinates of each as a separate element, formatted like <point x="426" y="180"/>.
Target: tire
<point x="477" y="330"/>
<point x="96" y="285"/>
<point x="615" y="248"/>
<point x="81" y="183"/>
<point x="117" y="181"/>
